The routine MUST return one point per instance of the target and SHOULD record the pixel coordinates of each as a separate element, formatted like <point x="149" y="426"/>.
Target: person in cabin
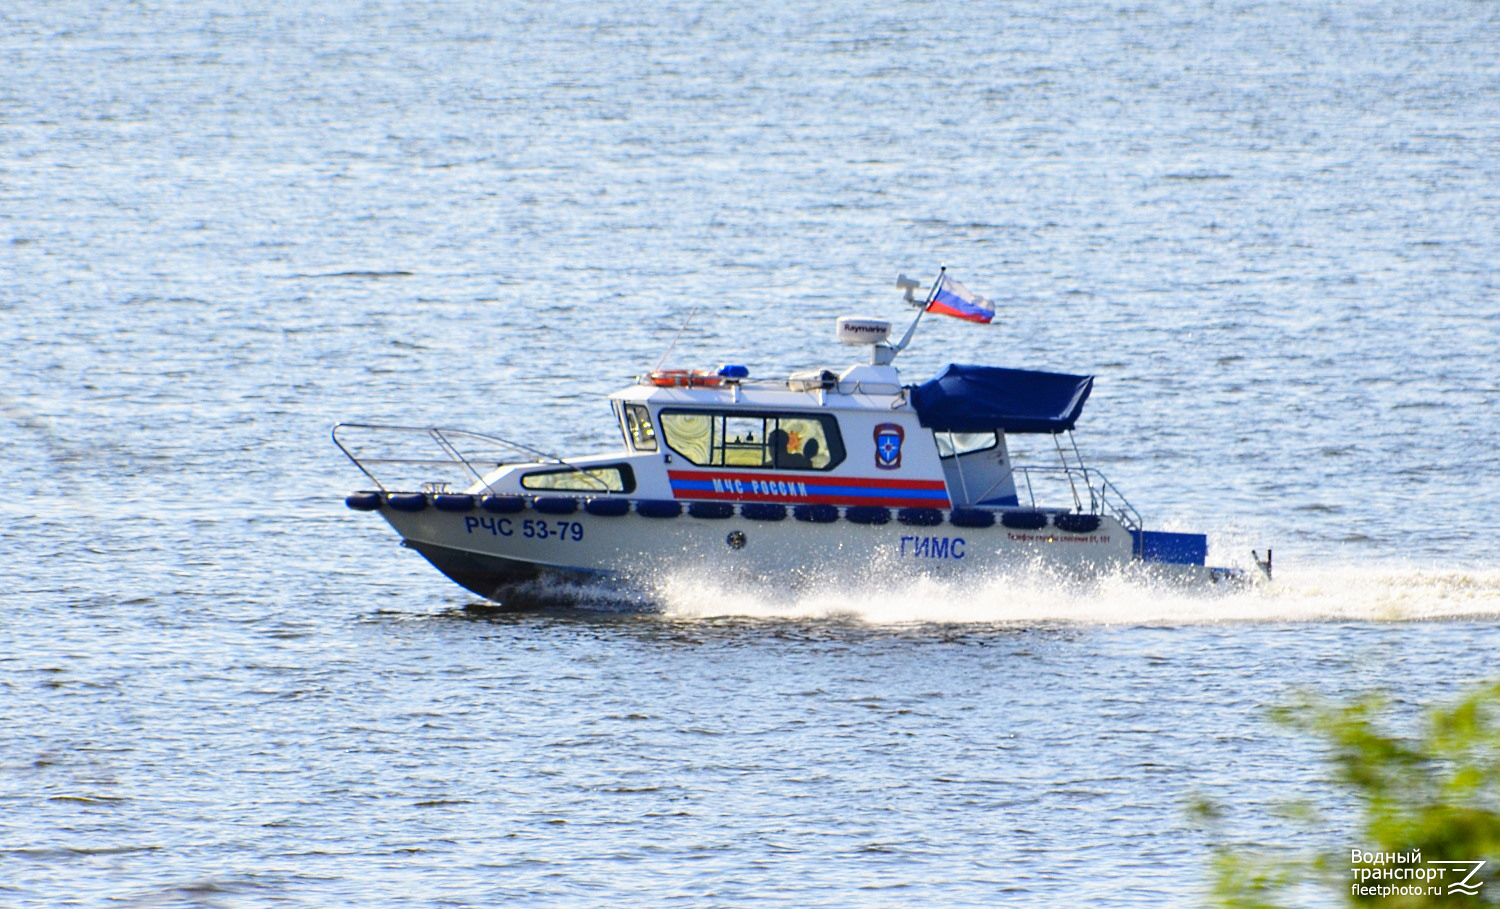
<point x="782" y="454"/>
<point x="810" y="453"/>
<point x="776" y="448"/>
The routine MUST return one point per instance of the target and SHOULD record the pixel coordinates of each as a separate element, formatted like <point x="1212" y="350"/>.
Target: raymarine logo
<point x="1405" y="874"/>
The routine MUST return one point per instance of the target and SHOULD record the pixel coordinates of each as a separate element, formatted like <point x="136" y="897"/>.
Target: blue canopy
<point x="984" y="398"/>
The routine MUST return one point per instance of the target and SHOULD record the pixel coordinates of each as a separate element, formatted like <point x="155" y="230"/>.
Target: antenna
<point x="908" y="285"/>
<point x="668" y="351"/>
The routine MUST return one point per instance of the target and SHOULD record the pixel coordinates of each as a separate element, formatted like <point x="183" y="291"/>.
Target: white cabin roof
<point x="859" y="387"/>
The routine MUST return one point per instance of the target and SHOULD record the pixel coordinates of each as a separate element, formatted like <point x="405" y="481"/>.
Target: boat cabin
<point x="848" y="439"/>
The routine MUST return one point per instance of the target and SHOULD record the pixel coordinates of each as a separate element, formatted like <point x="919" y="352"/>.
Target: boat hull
<point x="517" y="560"/>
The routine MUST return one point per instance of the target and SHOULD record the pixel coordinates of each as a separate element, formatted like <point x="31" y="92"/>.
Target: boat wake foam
<point x="1311" y="594"/>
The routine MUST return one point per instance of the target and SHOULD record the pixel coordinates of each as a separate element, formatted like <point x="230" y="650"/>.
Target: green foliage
<point x="1423" y="801"/>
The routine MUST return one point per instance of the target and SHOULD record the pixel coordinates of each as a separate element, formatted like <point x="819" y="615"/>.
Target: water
<point x="1269" y="229"/>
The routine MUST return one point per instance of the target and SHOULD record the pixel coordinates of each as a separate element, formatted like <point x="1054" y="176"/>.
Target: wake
<point x="1298" y="594"/>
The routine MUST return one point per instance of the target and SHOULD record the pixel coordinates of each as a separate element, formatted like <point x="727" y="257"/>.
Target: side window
<point x="638" y="427"/>
<point x="954" y="444"/>
<point x="613" y="478"/>
<point x="690" y="435"/>
<point x="775" y="441"/>
<point x="806" y="443"/>
<point x="742" y="441"/>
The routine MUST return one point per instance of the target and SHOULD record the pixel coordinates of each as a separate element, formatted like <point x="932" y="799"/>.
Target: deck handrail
<point x="1103" y="496"/>
<point x="448" y="442"/>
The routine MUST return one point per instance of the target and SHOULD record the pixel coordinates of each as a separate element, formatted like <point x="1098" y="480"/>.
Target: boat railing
<point x="1091" y="492"/>
<point x="405" y="455"/>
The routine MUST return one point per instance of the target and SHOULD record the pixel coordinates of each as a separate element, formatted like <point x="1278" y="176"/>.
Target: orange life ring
<point x="669" y="378"/>
<point x="677" y="378"/>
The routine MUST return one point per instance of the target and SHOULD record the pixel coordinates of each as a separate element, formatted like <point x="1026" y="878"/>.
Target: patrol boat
<point x="820" y="477"/>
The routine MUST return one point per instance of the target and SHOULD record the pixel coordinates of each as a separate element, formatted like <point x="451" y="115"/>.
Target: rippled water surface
<point x="1268" y="229"/>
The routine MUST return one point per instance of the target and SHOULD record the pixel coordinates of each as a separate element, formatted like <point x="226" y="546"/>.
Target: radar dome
<point x="858" y="330"/>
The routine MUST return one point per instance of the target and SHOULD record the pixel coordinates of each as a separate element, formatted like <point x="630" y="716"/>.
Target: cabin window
<point x="956" y="444"/>
<point x="767" y="441"/>
<point x="638" y="427"/>
<point x="611" y="478"/>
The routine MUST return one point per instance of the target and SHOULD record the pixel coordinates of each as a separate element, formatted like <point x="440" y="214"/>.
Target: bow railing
<point x="431" y="458"/>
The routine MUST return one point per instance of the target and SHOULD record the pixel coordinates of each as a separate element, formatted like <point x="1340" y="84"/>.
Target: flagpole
<point x="931" y="294"/>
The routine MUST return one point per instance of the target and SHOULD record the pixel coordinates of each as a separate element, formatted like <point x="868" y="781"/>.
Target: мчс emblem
<point x="888" y="438"/>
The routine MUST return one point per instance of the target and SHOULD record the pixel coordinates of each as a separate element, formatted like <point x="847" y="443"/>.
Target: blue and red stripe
<point x="738" y="486"/>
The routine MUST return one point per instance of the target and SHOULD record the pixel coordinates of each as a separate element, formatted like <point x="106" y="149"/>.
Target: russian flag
<point x="954" y="299"/>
